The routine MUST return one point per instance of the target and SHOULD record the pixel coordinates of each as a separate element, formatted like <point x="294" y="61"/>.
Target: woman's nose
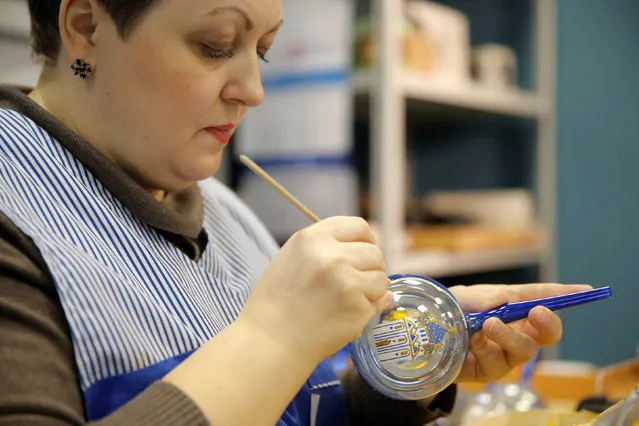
<point x="245" y="84"/>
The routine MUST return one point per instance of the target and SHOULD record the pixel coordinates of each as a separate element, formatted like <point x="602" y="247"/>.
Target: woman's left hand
<point x="499" y="348"/>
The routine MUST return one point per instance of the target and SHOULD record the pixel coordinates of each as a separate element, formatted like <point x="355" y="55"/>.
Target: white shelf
<point x="388" y="94"/>
<point x="468" y="96"/>
<point x="436" y="263"/>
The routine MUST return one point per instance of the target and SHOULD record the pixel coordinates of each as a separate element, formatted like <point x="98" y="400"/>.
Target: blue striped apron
<point x="136" y="305"/>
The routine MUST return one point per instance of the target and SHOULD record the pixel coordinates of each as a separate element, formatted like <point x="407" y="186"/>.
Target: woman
<point x="136" y="290"/>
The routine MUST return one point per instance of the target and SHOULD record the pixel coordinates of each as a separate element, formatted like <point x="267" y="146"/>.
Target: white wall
<point x="16" y="64"/>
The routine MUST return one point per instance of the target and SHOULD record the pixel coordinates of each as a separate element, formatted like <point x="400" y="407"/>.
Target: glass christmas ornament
<point x="416" y="347"/>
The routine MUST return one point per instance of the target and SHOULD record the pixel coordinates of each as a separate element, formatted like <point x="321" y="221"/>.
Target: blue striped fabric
<point x="135" y="304"/>
<point x="72" y="219"/>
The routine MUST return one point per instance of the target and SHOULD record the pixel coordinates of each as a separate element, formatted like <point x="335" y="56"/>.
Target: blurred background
<point x="487" y="141"/>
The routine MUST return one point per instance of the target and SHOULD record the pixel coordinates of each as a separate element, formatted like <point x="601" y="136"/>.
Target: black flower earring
<point x="81" y="68"/>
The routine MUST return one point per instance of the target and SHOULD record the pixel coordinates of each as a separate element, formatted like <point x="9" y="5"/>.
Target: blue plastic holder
<point x="516" y="311"/>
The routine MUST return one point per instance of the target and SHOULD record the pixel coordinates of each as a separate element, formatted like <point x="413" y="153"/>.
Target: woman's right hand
<point x="321" y="289"/>
<point x="316" y="295"/>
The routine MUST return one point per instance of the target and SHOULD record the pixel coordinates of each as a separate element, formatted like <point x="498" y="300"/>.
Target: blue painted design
<point x="435" y="333"/>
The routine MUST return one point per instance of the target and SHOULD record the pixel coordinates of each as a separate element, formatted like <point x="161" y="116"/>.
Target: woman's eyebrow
<point x="276" y="27"/>
<point x="220" y="10"/>
<point x="249" y="23"/>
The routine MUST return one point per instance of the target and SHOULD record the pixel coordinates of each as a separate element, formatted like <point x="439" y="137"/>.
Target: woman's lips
<point x="222" y="133"/>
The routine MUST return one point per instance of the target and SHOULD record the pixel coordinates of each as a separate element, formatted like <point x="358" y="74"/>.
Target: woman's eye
<point x="261" y="52"/>
<point x="228" y="53"/>
<point x="217" y="52"/>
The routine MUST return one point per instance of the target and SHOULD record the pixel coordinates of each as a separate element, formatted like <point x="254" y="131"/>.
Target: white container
<point x="448" y="31"/>
<point x="509" y="208"/>
<point x="495" y="66"/>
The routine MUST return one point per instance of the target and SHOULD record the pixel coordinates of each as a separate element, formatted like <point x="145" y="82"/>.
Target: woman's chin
<point x="200" y="171"/>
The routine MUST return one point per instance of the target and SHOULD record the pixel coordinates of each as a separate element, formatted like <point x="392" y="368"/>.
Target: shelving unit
<point x="388" y="87"/>
<point x="442" y="263"/>
<point x="471" y="97"/>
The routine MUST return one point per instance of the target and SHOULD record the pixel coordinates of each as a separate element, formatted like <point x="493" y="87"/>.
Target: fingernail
<point x="388" y="298"/>
<point x="542" y="315"/>
<point x="496" y="327"/>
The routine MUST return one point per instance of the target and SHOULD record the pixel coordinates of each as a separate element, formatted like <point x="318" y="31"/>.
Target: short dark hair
<point x="45" y="31"/>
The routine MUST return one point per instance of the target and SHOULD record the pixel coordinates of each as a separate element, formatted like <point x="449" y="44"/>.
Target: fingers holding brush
<point x="323" y="286"/>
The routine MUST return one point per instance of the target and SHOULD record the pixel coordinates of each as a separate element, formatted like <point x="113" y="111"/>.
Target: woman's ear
<point x="78" y="21"/>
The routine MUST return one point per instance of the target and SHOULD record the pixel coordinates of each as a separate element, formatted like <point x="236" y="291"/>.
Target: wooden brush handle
<point x="279" y="188"/>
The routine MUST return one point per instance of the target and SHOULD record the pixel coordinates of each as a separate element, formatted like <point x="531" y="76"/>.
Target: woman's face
<point x="168" y="98"/>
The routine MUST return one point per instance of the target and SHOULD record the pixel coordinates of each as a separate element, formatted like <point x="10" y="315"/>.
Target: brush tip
<point x="247" y="162"/>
